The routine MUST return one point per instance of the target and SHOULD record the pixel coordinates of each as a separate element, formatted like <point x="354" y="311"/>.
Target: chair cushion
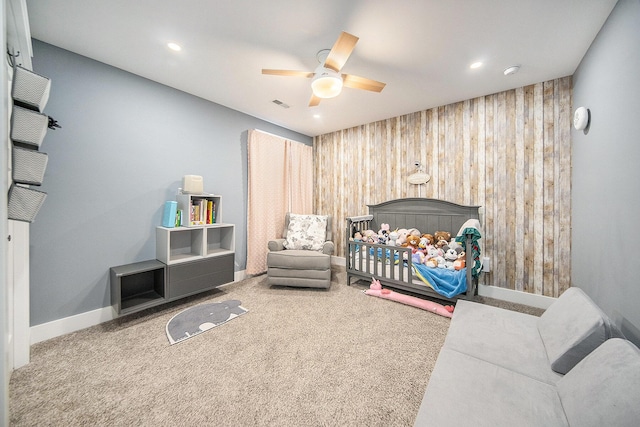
<point x="299" y="260"/>
<point x="306" y="232"/>
<point x="571" y="328"/>
<point x="603" y="389"/>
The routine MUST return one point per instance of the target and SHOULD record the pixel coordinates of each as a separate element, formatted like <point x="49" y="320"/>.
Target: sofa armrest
<point x="327" y="248"/>
<point x="276" y="245"/>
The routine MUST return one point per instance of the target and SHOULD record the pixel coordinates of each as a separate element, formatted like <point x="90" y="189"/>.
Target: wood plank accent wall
<point x="508" y="152"/>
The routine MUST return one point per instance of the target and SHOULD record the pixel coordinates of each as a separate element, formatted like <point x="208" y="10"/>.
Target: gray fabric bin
<point x="24" y="203"/>
<point x="30" y="89"/>
<point x="28" y="127"/>
<point x="28" y="166"/>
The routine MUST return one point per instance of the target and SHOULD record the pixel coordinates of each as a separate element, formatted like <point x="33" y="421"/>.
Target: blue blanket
<point x="445" y="282"/>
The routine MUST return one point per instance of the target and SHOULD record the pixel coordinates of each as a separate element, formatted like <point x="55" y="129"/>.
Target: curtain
<point x="280" y="180"/>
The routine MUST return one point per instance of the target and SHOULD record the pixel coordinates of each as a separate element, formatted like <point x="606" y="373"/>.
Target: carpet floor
<point x="299" y="357"/>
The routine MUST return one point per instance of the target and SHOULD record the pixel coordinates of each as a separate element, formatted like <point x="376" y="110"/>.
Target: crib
<point x="394" y="266"/>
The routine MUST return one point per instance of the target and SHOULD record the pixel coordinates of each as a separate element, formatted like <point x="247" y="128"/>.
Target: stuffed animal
<point x="393" y="237"/>
<point x="402" y="236"/>
<point x="455" y="245"/>
<point x="442" y="238"/>
<point x="424" y="243"/>
<point x="357" y="237"/>
<point x="429" y="238"/>
<point x="383" y="238"/>
<point x="384" y="229"/>
<point x="369" y="236"/>
<point x="412" y="242"/>
<point x="450" y="257"/>
<point x="434" y="257"/>
<point x="383" y="234"/>
<point x="461" y="262"/>
<point x="414" y="232"/>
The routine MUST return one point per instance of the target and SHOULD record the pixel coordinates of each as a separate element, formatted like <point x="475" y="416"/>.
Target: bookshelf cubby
<point x="185" y="244"/>
<point x="137" y="286"/>
<point x="199" y="209"/>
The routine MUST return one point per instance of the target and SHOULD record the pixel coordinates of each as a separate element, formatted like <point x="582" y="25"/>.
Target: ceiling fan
<point x="327" y="81"/>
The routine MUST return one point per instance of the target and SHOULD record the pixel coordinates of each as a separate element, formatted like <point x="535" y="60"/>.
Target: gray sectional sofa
<point x="569" y="367"/>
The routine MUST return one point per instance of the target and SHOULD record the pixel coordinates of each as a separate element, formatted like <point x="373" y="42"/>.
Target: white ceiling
<point x="421" y="49"/>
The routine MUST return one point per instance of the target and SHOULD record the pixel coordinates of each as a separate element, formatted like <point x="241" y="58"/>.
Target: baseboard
<point x="56" y="328"/>
<point x="67" y="325"/>
<point x="518" y="297"/>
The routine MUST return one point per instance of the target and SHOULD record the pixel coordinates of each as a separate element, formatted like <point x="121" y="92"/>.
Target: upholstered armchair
<point x="302" y="257"/>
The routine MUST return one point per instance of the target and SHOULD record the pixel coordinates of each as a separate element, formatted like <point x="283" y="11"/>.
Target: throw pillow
<point x="306" y="232"/>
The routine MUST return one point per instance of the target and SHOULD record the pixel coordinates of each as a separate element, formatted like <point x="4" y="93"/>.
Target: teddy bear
<point x="442" y="238"/>
<point x="412" y="242"/>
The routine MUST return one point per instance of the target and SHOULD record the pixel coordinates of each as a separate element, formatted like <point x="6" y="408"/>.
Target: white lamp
<point x="326" y="83"/>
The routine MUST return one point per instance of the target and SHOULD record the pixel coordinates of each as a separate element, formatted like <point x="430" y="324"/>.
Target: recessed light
<point x="174" y="46"/>
<point x="316" y="116"/>
<point x="476" y="65"/>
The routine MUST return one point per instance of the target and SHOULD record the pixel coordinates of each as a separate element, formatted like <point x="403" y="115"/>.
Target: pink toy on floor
<point x="376" y="290"/>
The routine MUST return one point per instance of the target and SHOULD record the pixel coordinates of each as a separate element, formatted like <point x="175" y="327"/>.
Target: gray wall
<point x="124" y="146"/>
<point x="606" y="178"/>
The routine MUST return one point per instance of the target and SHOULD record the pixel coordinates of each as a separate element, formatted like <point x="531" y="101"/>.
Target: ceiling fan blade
<point x="355" y="82"/>
<point x="289" y="73"/>
<point x="340" y="51"/>
<point x="314" y="101"/>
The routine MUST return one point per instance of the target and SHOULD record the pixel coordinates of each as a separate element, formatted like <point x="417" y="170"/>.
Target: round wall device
<point x="581" y="118"/>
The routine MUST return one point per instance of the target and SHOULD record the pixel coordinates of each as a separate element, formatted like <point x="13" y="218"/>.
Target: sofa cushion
<point x="466" y="391"/>
<point x="571" y="328"/>
<point x="307" y="232"/>
<point x="504" y="337"/>
<point x="604" y="388"/>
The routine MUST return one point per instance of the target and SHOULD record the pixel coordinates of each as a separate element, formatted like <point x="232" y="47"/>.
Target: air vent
<point x="280" y="103"/>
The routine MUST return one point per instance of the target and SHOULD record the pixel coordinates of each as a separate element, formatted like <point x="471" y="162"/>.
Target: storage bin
<point x="29" y="89"/>
<point x="24" y="203"/>
<point x="28" y="166"/>
<point x="28" y="127"/>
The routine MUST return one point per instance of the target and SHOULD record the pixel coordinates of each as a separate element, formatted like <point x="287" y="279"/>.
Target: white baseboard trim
<point x="56" y="328"/>
<point x="239" y="275"/>
<point x="518" y="297"/>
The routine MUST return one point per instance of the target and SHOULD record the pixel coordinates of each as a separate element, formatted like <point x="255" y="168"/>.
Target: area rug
<point x="200" y="318"/>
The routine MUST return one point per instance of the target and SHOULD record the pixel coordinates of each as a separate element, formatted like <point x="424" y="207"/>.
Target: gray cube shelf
<point x="137" y="286"/>
<point x="189" y="260"/>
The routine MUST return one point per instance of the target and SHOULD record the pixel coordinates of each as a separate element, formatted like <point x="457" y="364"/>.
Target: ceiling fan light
<point x="326" y="84"/>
